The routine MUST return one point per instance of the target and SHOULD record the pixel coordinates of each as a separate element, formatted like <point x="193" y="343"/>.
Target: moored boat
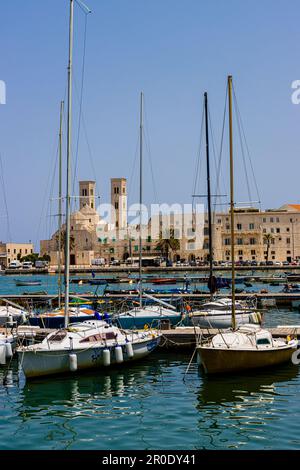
<point x="88" y="345"/>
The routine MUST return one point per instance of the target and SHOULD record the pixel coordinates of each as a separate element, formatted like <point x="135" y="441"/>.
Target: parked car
<point x="27" y="265"/>
<point x="285" y="263"/>
<point x="270" y="263"/>
<point x="253" y="263"/>
<point x="15" y="264"/>
<point x="277" y="263"/>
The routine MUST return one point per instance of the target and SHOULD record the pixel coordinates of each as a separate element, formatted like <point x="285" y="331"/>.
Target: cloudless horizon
<point x="171" y="50"/>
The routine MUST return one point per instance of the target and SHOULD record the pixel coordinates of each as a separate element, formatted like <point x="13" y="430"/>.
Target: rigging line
<point x="5" y="200"/>
<point x="147" y="143"/>
<point x="221" y="151"/>
<point x="80" y="101"/>
<point x="215" y="157"/>
<point x="198" y="156"/>
<point x="48" y="180"/>
<point x="46" y="192"/>
<point x="248" y="152"/>
<point x="86" y="136"/>
<point x="133" y="167"/>
<point x="242" y="148"/>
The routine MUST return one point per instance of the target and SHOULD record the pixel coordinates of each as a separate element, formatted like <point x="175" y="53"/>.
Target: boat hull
<point x="219" y="321"/>
<point x="39" y="364"/>
<point x="56" y="321"/>
<point x="222" y="361"/>
<point x="136" y="322"/>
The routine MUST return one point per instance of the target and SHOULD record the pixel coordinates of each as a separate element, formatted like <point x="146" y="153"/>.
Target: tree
<point x="164" y="245"/>
<point x="268" y="237"/>
<point x="63" y="241"/>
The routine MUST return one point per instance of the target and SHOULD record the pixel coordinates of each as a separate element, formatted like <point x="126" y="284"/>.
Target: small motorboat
<point x="21" y="282"/>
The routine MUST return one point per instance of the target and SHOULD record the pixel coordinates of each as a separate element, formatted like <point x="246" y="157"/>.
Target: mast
<point x="68" y="188"/>
<point x="141" y="196"/>
<point x="211" y="287"/>
<point x="231" y="203"/>
<point x="60" y="202"/>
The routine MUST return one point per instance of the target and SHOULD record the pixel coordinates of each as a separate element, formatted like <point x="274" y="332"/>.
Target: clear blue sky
<point x="173" y="50"/>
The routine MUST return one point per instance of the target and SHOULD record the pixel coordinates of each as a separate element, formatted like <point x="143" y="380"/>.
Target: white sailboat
<point x="90" y="344"/>
<point x="248" y="346"/>
<point x="217" y="312"/>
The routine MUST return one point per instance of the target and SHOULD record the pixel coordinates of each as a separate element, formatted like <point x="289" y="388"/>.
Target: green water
<point x="149" y="406"/>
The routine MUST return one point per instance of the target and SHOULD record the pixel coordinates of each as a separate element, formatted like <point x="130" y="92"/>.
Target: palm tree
<point x="164" y="245"/>
<point x="268" y="237"/>
<point x="63" y="241"/>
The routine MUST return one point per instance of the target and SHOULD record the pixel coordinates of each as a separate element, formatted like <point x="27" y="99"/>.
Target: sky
<point x="173" y="51"/>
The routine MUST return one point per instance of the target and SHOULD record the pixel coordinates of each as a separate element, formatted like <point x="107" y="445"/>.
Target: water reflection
<point x="235" y="410"/>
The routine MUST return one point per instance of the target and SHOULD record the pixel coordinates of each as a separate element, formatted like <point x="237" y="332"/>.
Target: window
<point x="123" y="190"/>
<point x="239" y="226"/>
<point x="271" y="219"/>
<point x="219" y="221"/>
<point x="251" y="226"/>
<point x="226" y="241"/>
<point x="92" y="192"/>
<point x="262" y="341"/>
<point x="288" y="241"/>
<point x="272" y="252"/>
<point x="278" y="230"/>
<point x="92" y="205"/>
<point x="116" y="205"/>
<point x="288" y="252"/>
<point x="117" y="224"/>
<point x="264" y="230"/>
<point x="239" y="241"/>
<point x="227" y="227"/>
<point x="273" y="241"/>
<point x="136" y="248"/>
<point x="272" y="230"/>
<point x="264" y="220"/>
<point x="277" y="219"/>
<point x="252" y="241"/>
<point x="240" y="252"/>
<point x="8" y="251"/>
<point x="25" y="251"/>
<point x="287" y="229"/>
<point x="253" y="252"/>
<point x="149" y="239"/>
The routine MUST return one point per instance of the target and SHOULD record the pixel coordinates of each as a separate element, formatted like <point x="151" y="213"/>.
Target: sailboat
<point x="248" y="346"/>
<point x="150" y="315"/>
<point x="92" y="343"/>
<point x="217" y="312"/>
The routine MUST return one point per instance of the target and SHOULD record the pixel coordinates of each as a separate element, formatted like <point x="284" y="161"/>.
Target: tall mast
<point x="60" y="202"/>
<point x="68" y="200"/>
<point x="141" y="196"/>
<point x="208" y="199"/>
<point x="231" y="203"/>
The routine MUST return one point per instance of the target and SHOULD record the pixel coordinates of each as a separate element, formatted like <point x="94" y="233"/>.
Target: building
<point x="273" y="234"/>
<point x="14" y="251"/>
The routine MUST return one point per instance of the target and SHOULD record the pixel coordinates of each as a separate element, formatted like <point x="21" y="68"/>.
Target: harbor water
<point x="153" y="404"/>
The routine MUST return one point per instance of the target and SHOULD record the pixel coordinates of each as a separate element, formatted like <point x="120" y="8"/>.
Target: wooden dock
<point x="180" y="338"/>
<point x="183" y="338"/>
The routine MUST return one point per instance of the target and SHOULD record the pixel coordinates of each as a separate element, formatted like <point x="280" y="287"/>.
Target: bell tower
<point x="119" y="201"/>
<point x="87" y="194"/>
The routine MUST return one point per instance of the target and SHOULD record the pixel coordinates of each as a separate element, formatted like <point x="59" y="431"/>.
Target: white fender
<point x="106" y="357"/>
<point x="73" y="362"/>
<point x="8" y="351"/>
<point x="129" y="350"/>
<point x="119" y="354"/>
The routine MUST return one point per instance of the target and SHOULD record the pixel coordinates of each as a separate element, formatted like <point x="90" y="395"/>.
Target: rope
<point x="5" y="200"/>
